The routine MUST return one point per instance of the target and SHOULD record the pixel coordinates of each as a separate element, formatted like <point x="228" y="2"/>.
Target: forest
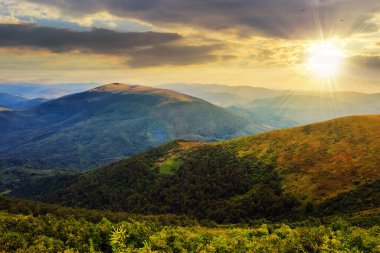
<point x="27" y="226"/>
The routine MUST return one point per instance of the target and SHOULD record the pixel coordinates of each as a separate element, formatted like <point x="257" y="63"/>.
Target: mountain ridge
<point x="121" y="119"/>
<point x="268" y="175"/>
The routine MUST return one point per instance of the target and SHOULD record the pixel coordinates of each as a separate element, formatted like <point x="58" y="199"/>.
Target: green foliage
<point x="212" y="182"/>
<point x="169" y="166"/>
<point x="27" y="207"/>
<point x="53" y="234"/>
<point x="364" y="197"/>
<point x="280" y="238"/>
<point x="37" y="228"/>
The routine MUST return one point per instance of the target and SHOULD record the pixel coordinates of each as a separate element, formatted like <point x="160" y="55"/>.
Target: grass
<point x="169" y="166"/>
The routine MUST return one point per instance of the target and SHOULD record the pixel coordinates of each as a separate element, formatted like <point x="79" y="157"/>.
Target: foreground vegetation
<point x="33" y="227"/>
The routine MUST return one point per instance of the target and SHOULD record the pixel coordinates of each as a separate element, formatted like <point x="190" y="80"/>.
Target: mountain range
<point x="44" y="91"/>
<point x="324" y="168"/>
<point x="225" y="95"/>
<point x="303" y="107"/>
<point x="19" y="103"/>
<point x="110" y="122"/>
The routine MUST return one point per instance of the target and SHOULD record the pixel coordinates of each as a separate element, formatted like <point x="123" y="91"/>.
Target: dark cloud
<point x="368" y="61"/>
<point x="143" y="49"/>
<point x="290" y="18"/>
<point x="95" y="41"/>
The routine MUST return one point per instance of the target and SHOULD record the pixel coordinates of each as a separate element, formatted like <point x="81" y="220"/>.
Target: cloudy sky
<point x="268" y="43"/>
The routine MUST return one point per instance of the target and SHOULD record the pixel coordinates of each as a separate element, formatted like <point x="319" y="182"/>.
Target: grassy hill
<point x="342" y="152"/>
<point x="285" y="173"/>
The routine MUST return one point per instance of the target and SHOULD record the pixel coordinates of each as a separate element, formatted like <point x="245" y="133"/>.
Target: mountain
<point x="304" y="107"/>
<point x="263" y="121"/>
<point x="225" y="95"/>
<point x="27" y="104"/>
<point x="321" y="168"/>
<point x="45" y="91"/>
<point x="307" y="108"/>
<point x="110" y="122"/>
<point x="8" y="100"/>
<point x="18" y="103"/>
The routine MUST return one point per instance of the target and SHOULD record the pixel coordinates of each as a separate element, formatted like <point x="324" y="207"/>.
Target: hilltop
<point x="326" y="167"/>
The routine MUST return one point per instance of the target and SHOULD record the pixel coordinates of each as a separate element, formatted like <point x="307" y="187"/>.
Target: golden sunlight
<point x="324" y="59"/>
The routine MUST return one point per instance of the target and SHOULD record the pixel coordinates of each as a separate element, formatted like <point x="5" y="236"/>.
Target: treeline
<point x="35" y="209"/>
<point x="212" y="183"/>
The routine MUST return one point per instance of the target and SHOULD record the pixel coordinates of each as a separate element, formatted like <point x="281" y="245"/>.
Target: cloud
<point x="143" y="49"/>
<point x="278" y="18"/>
<point x="368" y="61"/>
<point x="10" y="20"/>
<point x="101" y="41"/>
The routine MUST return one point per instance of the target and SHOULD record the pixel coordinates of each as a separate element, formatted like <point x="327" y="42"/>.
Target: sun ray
<point x="324" y="59"/>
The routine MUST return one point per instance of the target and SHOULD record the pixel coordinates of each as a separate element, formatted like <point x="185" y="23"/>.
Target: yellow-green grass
<point x="320" y="160"/>
<point x="169" y="166"/>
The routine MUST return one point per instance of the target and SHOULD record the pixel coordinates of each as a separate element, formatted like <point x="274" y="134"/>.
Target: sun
<point x="324" y="59"/>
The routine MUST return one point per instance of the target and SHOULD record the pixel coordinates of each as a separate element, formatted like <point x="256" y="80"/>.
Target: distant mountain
<point x="309" y="108"/>
<point x="110" y="122"/>
<point x="225" y="95"/>
<point x="45" y="91"/>
<point x="17" y="102"/>
<point x="322" y="168"/>
<point x="303" y="107"/>
<point x="30" y="103"/>
<point x="8" y="100"/>
<point x="263" y="121"/>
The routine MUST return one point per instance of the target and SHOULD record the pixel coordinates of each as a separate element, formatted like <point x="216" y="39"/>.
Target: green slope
<point x="273" y="175"/>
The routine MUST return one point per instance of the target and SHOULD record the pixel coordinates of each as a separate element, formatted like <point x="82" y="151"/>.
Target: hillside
<point x="8" y="100"/>
<point x="111" y="122"/>
<point x="18" y="102"/>
<point x="278" y="174"/>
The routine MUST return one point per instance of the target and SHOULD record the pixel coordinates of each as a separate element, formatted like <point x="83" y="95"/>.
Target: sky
<point x="281" y="44"/>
